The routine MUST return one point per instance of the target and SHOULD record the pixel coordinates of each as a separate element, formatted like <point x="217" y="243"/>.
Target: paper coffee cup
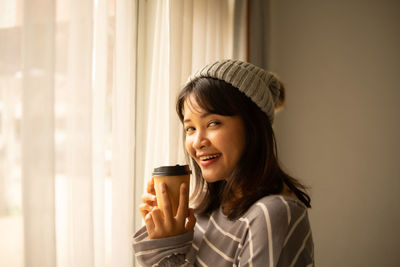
<point x="173" y="177"/>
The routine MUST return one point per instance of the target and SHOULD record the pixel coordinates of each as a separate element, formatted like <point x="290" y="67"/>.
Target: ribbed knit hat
<point x="262" y="87"/>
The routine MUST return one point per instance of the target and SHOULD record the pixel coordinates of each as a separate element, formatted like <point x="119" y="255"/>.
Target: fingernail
<point x="163" y="187"/>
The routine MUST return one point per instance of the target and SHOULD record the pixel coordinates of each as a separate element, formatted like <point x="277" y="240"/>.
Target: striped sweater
<point x="275" y="231"/>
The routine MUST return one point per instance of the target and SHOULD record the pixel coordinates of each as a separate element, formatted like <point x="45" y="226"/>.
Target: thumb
<point x="191" y="221"/>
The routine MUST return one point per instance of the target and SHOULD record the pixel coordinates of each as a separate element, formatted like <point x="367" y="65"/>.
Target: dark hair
<point x="258" y="173"/>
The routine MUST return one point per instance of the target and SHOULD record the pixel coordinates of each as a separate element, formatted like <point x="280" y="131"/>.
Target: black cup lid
<point x="171" y="170"/>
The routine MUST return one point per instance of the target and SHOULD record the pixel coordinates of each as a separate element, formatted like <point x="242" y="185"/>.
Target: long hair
<point x="258" y="172"/>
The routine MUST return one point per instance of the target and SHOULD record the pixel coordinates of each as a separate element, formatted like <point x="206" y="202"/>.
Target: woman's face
<point x="214" y="141"/>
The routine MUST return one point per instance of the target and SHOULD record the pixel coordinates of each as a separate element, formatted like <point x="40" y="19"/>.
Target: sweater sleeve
<point x="267" y="228"/>
<point x="168" y="251"/>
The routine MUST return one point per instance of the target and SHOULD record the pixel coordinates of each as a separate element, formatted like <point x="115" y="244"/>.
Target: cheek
<point x="188" y="145"/>
<point x="235" y="146"/>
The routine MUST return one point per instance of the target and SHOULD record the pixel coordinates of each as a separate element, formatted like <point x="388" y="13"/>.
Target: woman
<point x="248" y="211"/>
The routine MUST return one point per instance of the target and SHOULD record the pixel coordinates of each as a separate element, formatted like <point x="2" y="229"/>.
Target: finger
<point x="182" y="212"/>
<point x="157" y="216"/>
<point x="148" y="220"/>
<point x="166" y="203"/>
<point x="149" y="199"/>
<point x="191" y="222"/>
<point x="144" y="209"/>
<point x="150" y="187"/>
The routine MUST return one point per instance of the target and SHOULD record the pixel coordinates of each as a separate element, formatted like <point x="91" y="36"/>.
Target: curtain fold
<point x="99" y="130"/>
<point x="38" y="134"/>
<point x="76" y="236"/>
<point x="123" y="134"/>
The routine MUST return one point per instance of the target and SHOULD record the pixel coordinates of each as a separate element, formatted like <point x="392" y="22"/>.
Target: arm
<point x="267" y="228"/>
<point x="169" y="251"/>
<point x="165" y="239"/>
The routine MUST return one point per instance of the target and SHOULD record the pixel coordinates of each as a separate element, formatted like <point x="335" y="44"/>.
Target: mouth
<point x="208" y="159"/>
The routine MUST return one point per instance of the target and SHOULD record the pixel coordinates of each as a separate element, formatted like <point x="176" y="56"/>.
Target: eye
<point x="213" y="123"/>
<point x="189" y="129"/>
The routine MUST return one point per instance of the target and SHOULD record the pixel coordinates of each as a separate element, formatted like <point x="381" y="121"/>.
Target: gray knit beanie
<point x="262" y="87"/>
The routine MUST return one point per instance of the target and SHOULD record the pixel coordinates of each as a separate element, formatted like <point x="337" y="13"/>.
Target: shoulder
<point x="276" y="210"/>
<point x="269" y="222"/>
<point x="275" y="205"/>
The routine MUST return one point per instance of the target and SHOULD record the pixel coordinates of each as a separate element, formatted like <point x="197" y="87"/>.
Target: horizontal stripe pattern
<point x="237" y="239"/>
<point x="274" y="232"/>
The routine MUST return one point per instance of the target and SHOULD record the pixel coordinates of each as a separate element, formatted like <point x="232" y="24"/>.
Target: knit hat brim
<point x="262" y="87"/>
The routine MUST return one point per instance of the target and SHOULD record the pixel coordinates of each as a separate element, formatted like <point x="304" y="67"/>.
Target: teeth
<point x="208" y="157"/>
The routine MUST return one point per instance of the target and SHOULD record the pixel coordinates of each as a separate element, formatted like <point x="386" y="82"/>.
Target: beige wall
<point x="340" y="131"/>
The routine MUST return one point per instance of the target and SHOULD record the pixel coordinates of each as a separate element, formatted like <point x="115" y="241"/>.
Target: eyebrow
<point x="201" y="116"/>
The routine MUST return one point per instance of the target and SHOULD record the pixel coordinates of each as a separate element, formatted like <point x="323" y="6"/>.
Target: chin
<point x="212" y="178"/>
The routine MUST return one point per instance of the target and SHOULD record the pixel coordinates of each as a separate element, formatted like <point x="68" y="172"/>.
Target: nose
<point x="201" y="140"/>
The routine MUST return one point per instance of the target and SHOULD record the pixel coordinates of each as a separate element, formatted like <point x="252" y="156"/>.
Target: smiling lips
<point x="208" y="157"/>
<point x="206" y="160"/>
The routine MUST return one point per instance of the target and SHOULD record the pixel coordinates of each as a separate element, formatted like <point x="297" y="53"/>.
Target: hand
<point x="159" y="221"/>
<point x="149" y="200"/>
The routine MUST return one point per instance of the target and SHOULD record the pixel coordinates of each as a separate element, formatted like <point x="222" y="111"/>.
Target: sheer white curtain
<point x="177" y="37"/>
<point x="67" y="94"/>
<point x="87" y="95"/>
